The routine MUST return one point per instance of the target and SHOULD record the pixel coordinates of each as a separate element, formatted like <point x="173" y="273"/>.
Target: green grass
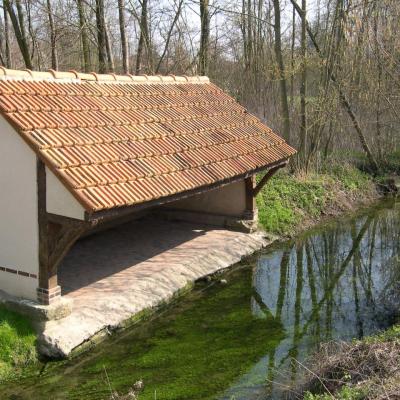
<point x="391" y="334"/>
<point x="391" y="163"/>
<point x="17" y="343"/>
<point x="288" y="200"/>
<point x="346" y="393"/>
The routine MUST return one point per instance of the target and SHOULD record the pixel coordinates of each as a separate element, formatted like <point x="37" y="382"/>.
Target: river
<point x="247" y="336"/>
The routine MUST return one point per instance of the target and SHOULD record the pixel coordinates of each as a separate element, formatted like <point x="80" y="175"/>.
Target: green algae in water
<point x="234" y="340"/>
<point x="212" y="329"/>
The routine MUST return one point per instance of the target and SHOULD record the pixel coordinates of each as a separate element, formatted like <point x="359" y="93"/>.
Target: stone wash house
<point x="78" y="151"/>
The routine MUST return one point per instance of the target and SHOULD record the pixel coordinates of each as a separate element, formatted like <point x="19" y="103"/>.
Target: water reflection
<point x="336" y="283"/>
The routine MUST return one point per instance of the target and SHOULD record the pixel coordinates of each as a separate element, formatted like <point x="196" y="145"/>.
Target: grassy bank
<point x="17" y="343"/>
<point x="290" y="203"/>
<point x="361" y="370"/>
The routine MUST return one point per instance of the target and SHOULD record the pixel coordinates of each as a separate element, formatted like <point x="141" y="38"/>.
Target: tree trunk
<point x="204" y="37"/>
<point x="110" y="58"/>
<point x="281" y="66"/>
<point x="303" y="87"/>
<point x="144" y="37"/>
<point x="292" y="44"/>
<point x="249" y="35"/>
<point x="2" y="45"/>
<point x="84" y="36"/>
<point x="243" y="28"/>
<point x="7" y="52"/>
<point x="379" y="83"/>
<point x="124" y="42"/>
<point x="18" y="22"/>
<point x="101" y="36"/>
<point x="53" y="37"/>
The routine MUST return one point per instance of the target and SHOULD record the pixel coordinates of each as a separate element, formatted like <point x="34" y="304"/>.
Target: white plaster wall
<point x="18" y="285"/>
<point x="229" y="200"/>
<point x="59" y="200"/>
<point x="18" y="213"/>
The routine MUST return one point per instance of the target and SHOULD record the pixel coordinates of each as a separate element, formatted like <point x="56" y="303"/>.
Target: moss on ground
<point x="17" y="343"/>
<point x="196" y="350"/>
<point x="287" y="201"/>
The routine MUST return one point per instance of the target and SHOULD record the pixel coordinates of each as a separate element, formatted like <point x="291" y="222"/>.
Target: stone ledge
<point x="35" y="311"/>
<point x="95" y="318"/>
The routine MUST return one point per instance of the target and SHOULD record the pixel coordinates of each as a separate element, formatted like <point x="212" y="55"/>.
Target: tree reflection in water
<point x="336" y="283"/>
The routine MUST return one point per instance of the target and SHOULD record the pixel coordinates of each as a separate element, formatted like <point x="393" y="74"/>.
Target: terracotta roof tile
<point x="123" y="140"/>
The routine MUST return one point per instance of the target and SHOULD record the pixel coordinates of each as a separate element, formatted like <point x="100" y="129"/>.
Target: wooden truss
<point x="57" y="234"/>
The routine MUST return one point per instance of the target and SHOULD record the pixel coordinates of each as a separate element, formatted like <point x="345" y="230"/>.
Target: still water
<point x="246" y="339"/>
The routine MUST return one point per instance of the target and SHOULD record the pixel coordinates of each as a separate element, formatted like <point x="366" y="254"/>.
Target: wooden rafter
<point x="264" y="180"/>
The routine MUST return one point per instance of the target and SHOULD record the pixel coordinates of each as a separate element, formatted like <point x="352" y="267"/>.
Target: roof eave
<point x="116" y="212"/>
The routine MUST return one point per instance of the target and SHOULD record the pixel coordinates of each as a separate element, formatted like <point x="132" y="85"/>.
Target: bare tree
<point x="343" y="98"/>
<point x="306" y="76"/>
<point x="282" y="72"/>
<point x="144" y="40"/>
<point x="110" y="57"/>
<point x="18" y="22"/>
<point x="101" y="36"/>
<point x="204" y="37"/>
<point x="53" y="37"/>
<point x="124" y="41"/>
<point x="303" y="85"/>
<point x="7" y="51"/>
<point x="83" y="35"/>
<point x="169" y="34"/>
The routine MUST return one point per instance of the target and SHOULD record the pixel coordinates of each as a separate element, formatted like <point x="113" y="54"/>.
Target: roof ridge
<point x="78" y="77"/>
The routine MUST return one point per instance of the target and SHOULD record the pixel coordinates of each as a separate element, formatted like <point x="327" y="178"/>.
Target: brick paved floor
<point x="115" y="274"/>
<point x="118" y="258"/>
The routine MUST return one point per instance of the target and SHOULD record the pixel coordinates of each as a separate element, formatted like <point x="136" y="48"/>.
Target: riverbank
<point x="287" y="205"/>
<point x="360" y="370"/>
<point x="290" y="204"/>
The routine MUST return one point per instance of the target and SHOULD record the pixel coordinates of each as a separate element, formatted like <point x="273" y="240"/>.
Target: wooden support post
<point x="48" y="290"/>
<point x="267" y="177"/>
<point x="57" y="234"/>
<point x="251" y="208"/>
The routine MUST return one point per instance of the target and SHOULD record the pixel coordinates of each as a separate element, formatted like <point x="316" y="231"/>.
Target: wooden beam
<point x="42" y="222"/>
<point x="250" y="199"/>
<point x="267" y="177"/>
<point x="63" y="244"/>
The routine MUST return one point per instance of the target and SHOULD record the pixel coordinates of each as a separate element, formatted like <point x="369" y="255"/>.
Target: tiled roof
<point x="117" y="141"/>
